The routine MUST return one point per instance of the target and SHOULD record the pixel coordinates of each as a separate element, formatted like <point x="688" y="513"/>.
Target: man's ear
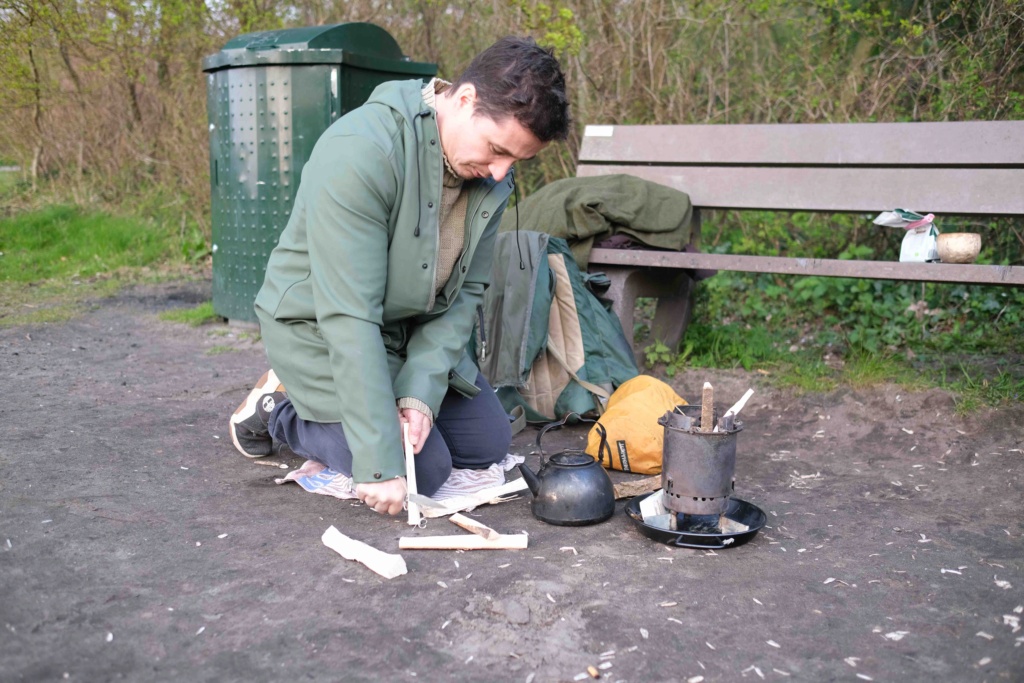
<point x="465" y="96"/>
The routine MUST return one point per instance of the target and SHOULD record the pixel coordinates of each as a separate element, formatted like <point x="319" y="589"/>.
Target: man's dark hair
<point x="516" y="77"/>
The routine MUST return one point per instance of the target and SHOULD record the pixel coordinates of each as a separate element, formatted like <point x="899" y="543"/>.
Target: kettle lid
<point x="572" y="458"/>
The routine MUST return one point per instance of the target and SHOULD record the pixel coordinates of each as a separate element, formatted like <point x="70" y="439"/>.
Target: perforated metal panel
<point x="269" y="98"/>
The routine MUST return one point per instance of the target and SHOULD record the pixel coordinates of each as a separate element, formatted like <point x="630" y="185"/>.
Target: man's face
<point x="477" y="146"/>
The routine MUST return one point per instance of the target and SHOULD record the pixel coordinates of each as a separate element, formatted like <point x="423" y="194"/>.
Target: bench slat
<point x="880" y="270"/>
<point x="940" y="191"/>
<point x="972" y="143"/>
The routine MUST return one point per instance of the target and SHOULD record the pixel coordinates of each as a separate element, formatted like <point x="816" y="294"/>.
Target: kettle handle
<point x="557" y="424"/>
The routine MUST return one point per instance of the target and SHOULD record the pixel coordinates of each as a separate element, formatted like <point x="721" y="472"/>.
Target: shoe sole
<point x="267" y="384"/>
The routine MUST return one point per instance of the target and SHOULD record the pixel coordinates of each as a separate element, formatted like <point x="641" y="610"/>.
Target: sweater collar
<point x="430" y="92"/>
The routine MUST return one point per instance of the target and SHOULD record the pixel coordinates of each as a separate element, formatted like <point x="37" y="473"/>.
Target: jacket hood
<point x="405" y="97"/>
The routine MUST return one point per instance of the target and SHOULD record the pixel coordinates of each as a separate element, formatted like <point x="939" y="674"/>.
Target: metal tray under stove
<point x="739" y="511"/>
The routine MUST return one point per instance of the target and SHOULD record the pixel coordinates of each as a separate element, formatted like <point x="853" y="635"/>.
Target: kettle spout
<point x="531" y="479"/>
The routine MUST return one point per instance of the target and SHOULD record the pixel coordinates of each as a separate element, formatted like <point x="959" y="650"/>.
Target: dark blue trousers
<point x="469" y="433"/>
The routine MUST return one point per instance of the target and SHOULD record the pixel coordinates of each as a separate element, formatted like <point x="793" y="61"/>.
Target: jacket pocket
<point x="463" y="378"/>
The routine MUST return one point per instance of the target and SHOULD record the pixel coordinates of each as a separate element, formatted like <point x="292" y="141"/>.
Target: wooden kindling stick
<point x="474" y="526"/>
<point x="725" y="422"/>
<point x="463" y="542"/>
<point x="738" y="406"/>
<point x="707" y="408"/>
<point x="410" y="477"/>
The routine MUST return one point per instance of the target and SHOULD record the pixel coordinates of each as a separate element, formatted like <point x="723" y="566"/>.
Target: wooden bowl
<point x="959" y="247"/>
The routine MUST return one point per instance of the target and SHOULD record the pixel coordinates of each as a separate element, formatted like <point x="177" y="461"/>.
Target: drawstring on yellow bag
<point x="630" y="426"/>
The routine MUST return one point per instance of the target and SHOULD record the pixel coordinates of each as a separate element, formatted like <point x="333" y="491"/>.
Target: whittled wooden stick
<point x="474" y="526"/>
<point x="738" y="406"/>
<point x="410" y="477"/>
<point x="707" y="408"/>
<point x="463" y="542"/>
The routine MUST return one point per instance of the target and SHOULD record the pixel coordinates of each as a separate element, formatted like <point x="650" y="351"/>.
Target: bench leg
<point x="673" y="289"/>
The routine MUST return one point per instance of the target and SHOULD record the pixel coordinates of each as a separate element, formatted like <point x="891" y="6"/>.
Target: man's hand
<point x="383" y="496"/>
<point x="419" y="427"/>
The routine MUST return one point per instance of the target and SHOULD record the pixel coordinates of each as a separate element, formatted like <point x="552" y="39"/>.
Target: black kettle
<point x="570" y="488"/>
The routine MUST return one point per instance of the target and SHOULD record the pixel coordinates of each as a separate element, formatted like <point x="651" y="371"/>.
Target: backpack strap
<point x="592" y="388"/>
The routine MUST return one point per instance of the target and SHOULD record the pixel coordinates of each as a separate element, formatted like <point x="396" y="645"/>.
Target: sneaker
<point x="248" y="425"/>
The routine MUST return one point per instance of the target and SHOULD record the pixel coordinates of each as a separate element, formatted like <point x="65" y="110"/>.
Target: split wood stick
<point x="463" y="542"/>
<point x="738" y="406"/>
<point x="387" y="565"/>
<point x="488" y="495"/>
<point x="410" y="477"/>
<point x="474" y="526"/>
<point x="707" y="408"/>
<point x="628" y="489"/>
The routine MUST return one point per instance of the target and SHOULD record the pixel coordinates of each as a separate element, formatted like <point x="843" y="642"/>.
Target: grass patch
<point x="864" y="370"/>
<point x="200" y="315"/>
<point x="58" y="257"/>
<point x="220" y="349"/>
<point x="67" y="242"/>
<point x="974" y="388"/>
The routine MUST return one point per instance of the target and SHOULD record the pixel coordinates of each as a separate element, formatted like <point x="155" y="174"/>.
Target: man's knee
<point x="431" y="474"/>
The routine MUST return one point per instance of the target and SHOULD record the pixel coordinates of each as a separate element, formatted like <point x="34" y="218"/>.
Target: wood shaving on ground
<point x="489" y="496"/>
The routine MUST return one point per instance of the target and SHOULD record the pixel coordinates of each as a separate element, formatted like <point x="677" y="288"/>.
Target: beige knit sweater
<point x="451" y="227"/>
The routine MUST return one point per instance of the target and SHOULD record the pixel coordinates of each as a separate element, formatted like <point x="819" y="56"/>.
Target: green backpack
<point x="543" y="340"/>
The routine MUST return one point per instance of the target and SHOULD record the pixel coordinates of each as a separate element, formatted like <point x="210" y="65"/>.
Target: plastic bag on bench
<point x="919" y="243"/>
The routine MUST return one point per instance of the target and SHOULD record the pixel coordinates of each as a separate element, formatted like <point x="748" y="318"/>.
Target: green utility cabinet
<point x="269" y="96"/>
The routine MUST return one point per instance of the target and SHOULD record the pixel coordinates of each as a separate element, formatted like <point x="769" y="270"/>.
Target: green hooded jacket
<point x="347" y="311"/>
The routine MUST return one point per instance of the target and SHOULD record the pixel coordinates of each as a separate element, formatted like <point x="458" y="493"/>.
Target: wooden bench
<point x="963" y="168"/>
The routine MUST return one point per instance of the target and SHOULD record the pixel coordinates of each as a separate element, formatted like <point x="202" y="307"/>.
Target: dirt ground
<point x="137" y="545"/>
